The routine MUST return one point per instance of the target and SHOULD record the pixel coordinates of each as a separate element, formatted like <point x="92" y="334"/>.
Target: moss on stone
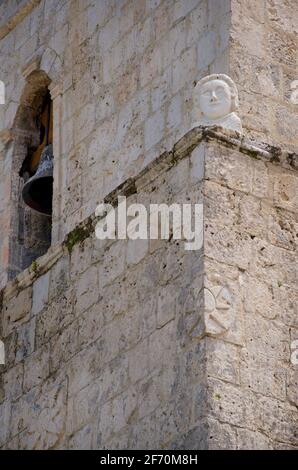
<point x="78" y="235"/>
<point x="34" y="267"/>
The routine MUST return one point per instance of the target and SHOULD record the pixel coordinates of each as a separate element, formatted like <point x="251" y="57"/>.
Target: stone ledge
<point x="35" y="270"/>
<point x="162" y="163"/>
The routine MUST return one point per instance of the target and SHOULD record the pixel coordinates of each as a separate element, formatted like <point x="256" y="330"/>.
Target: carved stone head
<point x="216" y="100"/>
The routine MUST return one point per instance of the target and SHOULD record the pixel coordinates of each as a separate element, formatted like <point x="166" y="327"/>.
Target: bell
<point x="38" y="190"/>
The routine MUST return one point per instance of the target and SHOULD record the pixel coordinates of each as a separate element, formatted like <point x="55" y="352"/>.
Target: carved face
<point x="215" y="99"/>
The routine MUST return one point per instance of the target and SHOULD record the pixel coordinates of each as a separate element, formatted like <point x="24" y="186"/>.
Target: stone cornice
<point x="162" y="163"/>
<point x="25" y="8"/>
<point x="37" y="269"/>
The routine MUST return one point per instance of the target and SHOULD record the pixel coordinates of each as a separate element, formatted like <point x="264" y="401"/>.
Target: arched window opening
<point x="37" y="168"/>
<point x="33" y="179"/>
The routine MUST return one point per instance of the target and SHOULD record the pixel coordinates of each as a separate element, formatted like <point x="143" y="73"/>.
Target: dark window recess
<point x="35" y="204"/>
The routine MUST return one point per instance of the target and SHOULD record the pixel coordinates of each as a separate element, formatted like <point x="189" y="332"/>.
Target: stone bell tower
<point x="141" y="344"/>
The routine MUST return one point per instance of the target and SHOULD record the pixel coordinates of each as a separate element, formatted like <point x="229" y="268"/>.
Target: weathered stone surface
<point x="116" y="344"/>
<point x="17" y="311"/>
<point x="40" y="293"/>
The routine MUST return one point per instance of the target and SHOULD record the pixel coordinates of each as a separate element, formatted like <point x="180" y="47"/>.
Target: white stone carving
<point x="216" y="100"/>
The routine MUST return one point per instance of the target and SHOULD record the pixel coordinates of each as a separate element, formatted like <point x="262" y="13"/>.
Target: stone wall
<point x="97" y="350"/>
<point x="125" y="344"/>
<point x="122" y="77"/>
<point x="263" y="63"/>
<point x="146" y="345"/>
<point x="250" y="255"/>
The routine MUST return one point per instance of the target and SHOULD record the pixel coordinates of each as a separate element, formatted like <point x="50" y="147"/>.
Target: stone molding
<point x="162" y="163"/>
<point x="30" y="67"/>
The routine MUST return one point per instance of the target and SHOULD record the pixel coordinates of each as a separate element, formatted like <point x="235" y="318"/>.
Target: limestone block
<point x="21" y="411"/>
<point x="282" y="229"/>
<point x="166" y="305"/>
<point x="17" y="310"/>
<point x="48" y="418"/>
<point x="149" y="395"/>
<point x="250" y="440"/>
<point x="113" y="264"/>
<point x="13" y="444"/>
<point x="194" y="439"/>
<point x="267" y="342"/>
<point x="90" y="323"/>
<point x="40" y="293"/>
<point x="259" y="298"/>
<point x="270" y="382"/>
<point x="148" y="315"/>
<point x="25" y="340"/>
<point x="221" y="203"/>
<point x="292" y="385"/>
<point x="197" y="164"/>
<point x="109" y="34"/>
<point x="176" y="40"/>
<point x="225" y="363"/>
<point x="59" y="278"/>
<point x="28" y="49"/>
<point x="55" y="318"/>
<point x="174" y="113"/>
<point x="151" y="66"/>
<point x="206" y="50"/>
<point x="63" y="346"/>
<point x="161" y="90"/>
<point x="84" y="406"/>
<point x="136" y="251"/>
<point x="198" y="22"/>
<point x="115" y="414"/>
<point x="13" y="382"/>
<point x="229" y="403"/>
<point x="36" y="368"/>
<point x="286" y="297"/>
<point x="274" y="263"/>
<point x="261" y="181"/>
<point x="282" y="16"/>
<point x="82" y="439"/>
<point x="282" y="48"/>
<point x="85" y="122"/>
<point x="139" y="361"/>
<point x="277" y="418"/>
<point x="261" y="119"/>
<point x="235" y="244"/>
<point x="182" y="8"/>
<point x="162" y="346"/>
<point x="184" y="69"/>
<point x="5" y="419"/>
<point x="84" y="367"/>
<point x="285" y="190"/>
<point x="220" y="435"/>
<point x="87" y="289"/>
<point x="80" y="258"/>
<point x="286" y="123"/>
<point x="154" y="128"/>
<point x="229" y="168"/>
